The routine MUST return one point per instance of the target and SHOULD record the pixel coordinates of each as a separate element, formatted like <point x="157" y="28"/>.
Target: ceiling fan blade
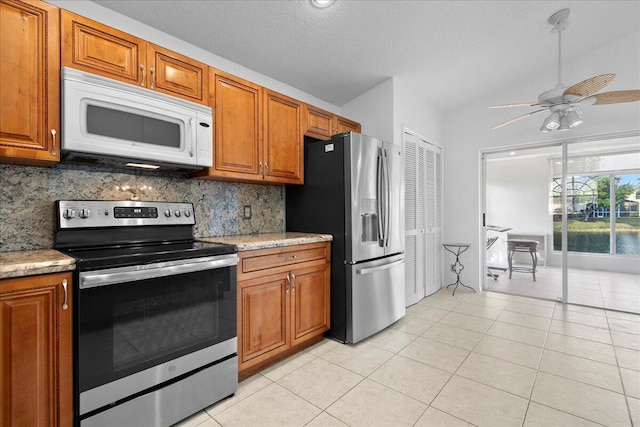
<point x="525" y="104"/>
<point x="591" y="85"/>
<point x="617" y="97"/>
<point x="519" y="118"/>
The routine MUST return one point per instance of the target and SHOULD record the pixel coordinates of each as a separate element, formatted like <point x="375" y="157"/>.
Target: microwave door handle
<point x="192" y="122"/>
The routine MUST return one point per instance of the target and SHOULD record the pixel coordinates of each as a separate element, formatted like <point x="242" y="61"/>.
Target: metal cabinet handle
<point x="153" y="77"/>
<point x="143" y="75"/>
<point x="53" y="147"/>
<point x="260" y="170"/>
<point x="65" y="306"/>
<point x="266" y="168"/>
<point x="293" y="282"/>
<point x="288" y="282"/>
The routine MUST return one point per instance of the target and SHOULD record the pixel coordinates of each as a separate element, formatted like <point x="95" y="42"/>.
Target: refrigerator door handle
<point x="387" y="197"/>
<point x="379" y="268"/>
<point x="379" y="202"/>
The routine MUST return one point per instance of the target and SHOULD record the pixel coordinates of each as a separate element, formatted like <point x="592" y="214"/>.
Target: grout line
<point x="624" y="389"/>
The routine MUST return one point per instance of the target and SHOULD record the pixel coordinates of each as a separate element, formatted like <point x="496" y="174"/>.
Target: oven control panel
<point x="119" y="213"/>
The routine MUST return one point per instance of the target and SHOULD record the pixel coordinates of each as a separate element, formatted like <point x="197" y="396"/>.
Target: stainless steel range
<point x="155" y="336"/>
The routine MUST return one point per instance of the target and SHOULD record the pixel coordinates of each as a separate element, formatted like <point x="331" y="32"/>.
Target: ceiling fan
<point x="564" y="102"/>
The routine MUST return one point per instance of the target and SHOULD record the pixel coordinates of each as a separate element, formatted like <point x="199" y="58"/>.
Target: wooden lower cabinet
<point x="36" y="351"/>
<point x="282" y="307"/>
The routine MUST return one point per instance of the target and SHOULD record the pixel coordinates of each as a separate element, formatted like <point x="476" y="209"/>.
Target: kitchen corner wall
<point x="27" y="196"/>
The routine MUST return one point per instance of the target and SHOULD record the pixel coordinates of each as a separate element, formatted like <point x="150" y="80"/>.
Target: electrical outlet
<point x="246" y="212"/>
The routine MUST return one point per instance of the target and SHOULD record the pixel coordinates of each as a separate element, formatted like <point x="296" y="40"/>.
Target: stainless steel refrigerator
<point x="353" y="189"/>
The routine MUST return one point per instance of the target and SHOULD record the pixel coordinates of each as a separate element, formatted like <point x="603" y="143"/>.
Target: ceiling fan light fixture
<point x="544" y="129"/>
<point x="553" y="121"/>
<point x="574" y="117"/>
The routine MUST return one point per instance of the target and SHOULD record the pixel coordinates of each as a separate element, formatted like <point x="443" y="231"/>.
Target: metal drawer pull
<point x="382" y="267"/>
<point x="53" y="147"/>
<point x="288" y="282"/>
<point x="153" y="78"/>
<point x="293" y="286"/>
<point x="143" y="75"/>
<point x="64" y="286"/>
<point x="284" y="258"/>
<point x="152" y="271"/>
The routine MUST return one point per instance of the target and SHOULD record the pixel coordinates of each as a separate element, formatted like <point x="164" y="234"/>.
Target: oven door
<point x="141" y="326"/>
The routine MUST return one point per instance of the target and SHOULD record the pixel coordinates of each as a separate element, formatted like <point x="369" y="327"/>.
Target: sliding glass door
<point x="603" y="226"/>
<point x="580" y="201"/>
<point x="519" y="215"/>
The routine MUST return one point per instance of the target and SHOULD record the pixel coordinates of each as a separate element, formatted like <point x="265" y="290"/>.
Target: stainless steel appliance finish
<point x="376" y="303"/>
<point x="118" y="123"/>
<point x="167" y="405"/>
<point x="155" y="334"/>
<point x="354" y="190"/>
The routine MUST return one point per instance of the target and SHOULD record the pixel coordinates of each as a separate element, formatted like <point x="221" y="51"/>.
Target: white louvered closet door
<point x="411" y="219"/>
<point x="433" y="232"/>
<point x="423" y="218"/>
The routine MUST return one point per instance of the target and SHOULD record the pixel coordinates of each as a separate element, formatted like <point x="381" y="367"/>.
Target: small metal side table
<point x="457" y="267"/>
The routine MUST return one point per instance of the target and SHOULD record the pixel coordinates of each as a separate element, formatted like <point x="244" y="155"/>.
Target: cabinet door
<point x="96" y="48"/>
<point x="263" y="318"/>
<point x="319" y="123"/>
<point x="237" y="144"/>
<point x="177" y="75"/>
<point x="35" y="351"/>
<point x="345" y="125"/>
<point x="29" y="83"/>
<point x="283" y="139"/>
<point x="309" y="302"/>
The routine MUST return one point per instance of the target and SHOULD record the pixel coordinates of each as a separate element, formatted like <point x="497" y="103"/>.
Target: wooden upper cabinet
<point x="283" y="139"/>
<point x="177" y="75"/>
<point x="258" y="133"/>
<point x="29" y="83"/>
<point x="322" y="124"/>
<point x="319" y="123"/>
<point x="99" y="49"/>
<point x="345" y="125"/>
<point x="36" y="351"/>
<point x="237" y="135"/>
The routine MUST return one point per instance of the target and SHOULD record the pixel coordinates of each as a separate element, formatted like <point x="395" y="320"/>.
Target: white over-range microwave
<point x="118" y="123"/>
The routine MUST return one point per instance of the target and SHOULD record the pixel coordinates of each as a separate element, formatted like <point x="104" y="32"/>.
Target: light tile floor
<point x="484" y="359"/>
<point x="606" y="289"/>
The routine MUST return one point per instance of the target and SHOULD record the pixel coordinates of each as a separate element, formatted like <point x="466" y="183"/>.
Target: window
<point x="598" y="207"/>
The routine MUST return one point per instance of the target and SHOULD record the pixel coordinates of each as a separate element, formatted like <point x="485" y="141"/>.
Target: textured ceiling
<point x="453" y="50"/>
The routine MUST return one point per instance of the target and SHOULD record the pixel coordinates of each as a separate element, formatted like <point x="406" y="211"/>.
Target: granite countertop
<point x="250" y="242"/>
<point x="29" y="263"/>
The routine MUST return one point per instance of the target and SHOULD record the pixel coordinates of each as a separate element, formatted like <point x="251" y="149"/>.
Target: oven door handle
<point x="150" y="271"/>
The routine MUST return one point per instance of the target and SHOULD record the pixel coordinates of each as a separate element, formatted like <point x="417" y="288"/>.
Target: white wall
<point x="392" y="105"/>
<point x="410" y="110"/>
<point x="467" y="130"/>
<point x="374" y="111"/>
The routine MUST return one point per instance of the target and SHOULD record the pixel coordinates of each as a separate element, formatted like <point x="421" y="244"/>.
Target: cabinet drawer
<point x="282" y="257"/>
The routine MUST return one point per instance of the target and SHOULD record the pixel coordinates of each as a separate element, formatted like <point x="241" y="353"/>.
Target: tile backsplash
<point x="27" y="196"/>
